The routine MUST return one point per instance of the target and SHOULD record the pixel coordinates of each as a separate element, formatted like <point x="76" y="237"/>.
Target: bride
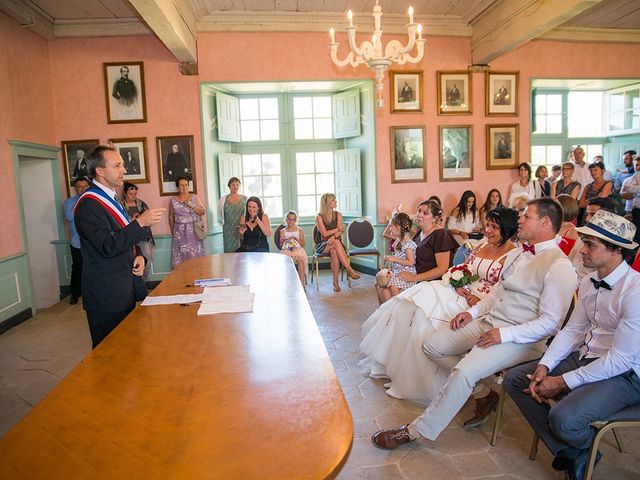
<point x="393" y="335"/>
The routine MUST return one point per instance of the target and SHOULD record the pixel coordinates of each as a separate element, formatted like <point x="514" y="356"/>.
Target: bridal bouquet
<point x="459" y="276"/>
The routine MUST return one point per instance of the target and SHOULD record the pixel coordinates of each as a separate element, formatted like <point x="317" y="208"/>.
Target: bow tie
<point x="529" y="248"/>
<point x="600" y="283"/>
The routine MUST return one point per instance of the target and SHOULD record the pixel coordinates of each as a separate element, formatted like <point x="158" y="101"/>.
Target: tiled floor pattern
<point x="37" y="354"/>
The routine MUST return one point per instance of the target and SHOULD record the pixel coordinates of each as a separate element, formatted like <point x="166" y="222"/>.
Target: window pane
<point x="307" y="206"/>
<point x="541" y="124"/>
<point x="616" y="121"/>
<point x="251" y="165"/>
<point x="272" y="206"/>
<point x="322" y="128"/>
<point x="269" y="130"/>
<point x="304" y="162"/>
<point x="634" y="99"/>
<point x="324" y="161"/>
<point x="324" y="182"/>
<point x="554" y="123"/>
<point x="303" y="129"/>
<point x="322" y="106"/>
<point x="592" y="151"/>
<point x="253" y="186"/>
<point x="250" y="130"/>
<point x="554" y="155"/>
<point x="538" y="155"/>
<point x="271" y="163"/>
<point x="617" y="102"/>
<point x="306" y="184"/>
<point x="249" y="109"/>
<point x="554" y="104"/>
<point x="272" y="185"/>
<point x="302" y="107"/>
<point x="269" y="108"/>
<point x="541" y="103"/>
<point x="585" y="114"/>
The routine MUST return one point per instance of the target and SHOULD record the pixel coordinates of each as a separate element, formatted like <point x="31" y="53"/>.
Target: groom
<point x="506" y="328"/>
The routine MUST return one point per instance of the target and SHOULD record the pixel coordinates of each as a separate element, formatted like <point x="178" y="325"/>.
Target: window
<point x="548" y="110"/>
<point x="312" y="117"/>
<point x="624" y="110"/>
<point x="261" y="177"/>
<point x="585" y="114"/>
<point x="314" y="177"/>
<point x="259" y="119"/>
<point x="546" y="155"/>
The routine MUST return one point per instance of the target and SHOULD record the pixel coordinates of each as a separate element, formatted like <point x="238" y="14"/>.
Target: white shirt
<point x="529" y="189"/>
<point x="632" y="185"/>
<point x="107" y="190"/>
<point x="559" y="286"/>
<point x="604" y="325"/>
<point x="581" y="174"/>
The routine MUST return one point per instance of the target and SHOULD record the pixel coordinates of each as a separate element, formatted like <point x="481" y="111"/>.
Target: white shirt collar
<point x="619" y="272"/>
<point x="546" y="245"/>
<point x="107" y="190"/>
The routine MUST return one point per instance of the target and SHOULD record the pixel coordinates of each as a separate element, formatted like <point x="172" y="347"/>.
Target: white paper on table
<point x="172" y="299"/>
<point x="215" y="294"/>
<point x="233" y="299"/>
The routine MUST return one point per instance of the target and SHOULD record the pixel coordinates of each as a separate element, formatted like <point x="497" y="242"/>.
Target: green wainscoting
<point x="15" y="291"/>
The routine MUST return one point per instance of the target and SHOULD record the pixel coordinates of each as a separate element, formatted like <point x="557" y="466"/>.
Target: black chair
<point x="360" y="235"/>
<point x="276" y="237"/>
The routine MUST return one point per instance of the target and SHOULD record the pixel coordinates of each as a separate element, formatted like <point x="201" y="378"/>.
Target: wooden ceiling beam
<point x="508" y="24"/>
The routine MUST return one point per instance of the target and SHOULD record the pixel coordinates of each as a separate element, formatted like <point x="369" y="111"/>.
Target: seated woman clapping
<point x="393" y="335"/>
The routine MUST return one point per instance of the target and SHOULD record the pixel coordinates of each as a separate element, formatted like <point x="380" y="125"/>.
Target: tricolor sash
<point x="108" y="203"/>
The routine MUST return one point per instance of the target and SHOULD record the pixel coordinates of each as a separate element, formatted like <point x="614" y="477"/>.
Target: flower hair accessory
<point x="459" y="276"/>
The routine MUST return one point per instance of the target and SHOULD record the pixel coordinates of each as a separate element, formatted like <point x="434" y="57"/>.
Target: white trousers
<point x="448" y="348"/>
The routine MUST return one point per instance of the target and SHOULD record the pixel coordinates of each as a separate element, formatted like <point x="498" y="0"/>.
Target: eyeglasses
<point x="291" y="219"/>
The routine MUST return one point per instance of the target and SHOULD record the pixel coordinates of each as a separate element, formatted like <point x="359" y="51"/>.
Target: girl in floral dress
<point x="403" y="258"/>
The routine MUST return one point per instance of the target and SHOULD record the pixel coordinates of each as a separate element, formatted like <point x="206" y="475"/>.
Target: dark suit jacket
<point x="107" y="256"/>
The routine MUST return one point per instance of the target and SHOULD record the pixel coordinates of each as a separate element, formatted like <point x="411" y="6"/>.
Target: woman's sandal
<point x="354" y="275"/>
<point x="336" y="287"/>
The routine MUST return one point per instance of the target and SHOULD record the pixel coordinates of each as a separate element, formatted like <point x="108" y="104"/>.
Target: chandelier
<point x="370" y="52"/>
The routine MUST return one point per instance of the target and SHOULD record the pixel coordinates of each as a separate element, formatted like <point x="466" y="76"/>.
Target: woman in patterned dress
<point x="393" y="335"/>
<point x="403" y="258"/>
<point x="184" y="210"/>
<point x="230" y="209"/>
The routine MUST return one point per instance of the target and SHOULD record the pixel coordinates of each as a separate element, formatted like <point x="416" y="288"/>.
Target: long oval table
<point x="172" y="395"/>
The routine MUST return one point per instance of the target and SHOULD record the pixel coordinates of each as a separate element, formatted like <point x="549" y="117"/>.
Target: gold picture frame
<point x="455" y="93"/>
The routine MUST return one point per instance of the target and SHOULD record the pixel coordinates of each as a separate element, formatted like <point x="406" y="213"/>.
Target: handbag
<point x="198" y="226"/>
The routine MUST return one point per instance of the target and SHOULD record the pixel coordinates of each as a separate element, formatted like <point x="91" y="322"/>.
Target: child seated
<point x="292" y="242"/>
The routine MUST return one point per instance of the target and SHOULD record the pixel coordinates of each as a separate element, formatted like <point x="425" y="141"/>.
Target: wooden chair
<point x="315" y="261"/>
<point x="360" y="236"/>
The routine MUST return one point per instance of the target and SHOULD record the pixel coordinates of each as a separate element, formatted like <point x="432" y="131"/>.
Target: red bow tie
<point x="529" y="248"/>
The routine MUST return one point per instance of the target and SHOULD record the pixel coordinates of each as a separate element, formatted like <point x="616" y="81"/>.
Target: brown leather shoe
<point x="392" y="438"/>
<point x="484" y="407"/>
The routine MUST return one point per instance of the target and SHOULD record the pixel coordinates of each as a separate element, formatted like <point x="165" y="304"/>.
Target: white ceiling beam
<point x="507" y="24"/>
<point x="30" y="16"/>
<point x="173" y="22"/>
<point x="600" y="35"/>
<point x="106" y="27"/>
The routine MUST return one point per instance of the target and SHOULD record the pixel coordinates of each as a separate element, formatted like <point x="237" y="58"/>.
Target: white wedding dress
<point x="394" y="334"/>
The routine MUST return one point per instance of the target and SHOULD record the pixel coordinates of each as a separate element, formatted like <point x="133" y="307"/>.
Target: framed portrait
<point x="74" y="153"/>
<point x="454" y="93"/>
<point x="408" y="154"/>
<point x="502" y="93"/>
<point x="456" y="153"/>
<point x="175" y="159"/>
<point x="502" y="146"/>
<point x="125" y="92"/>
<point x="134" y="153"/>
<point x="406" y="91"/>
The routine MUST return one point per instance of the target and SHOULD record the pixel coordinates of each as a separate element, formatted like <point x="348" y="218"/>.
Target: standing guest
<point x="581" y="172"/>
<point x="599" y="187"/>
<point x="622" y="175"/>
<point x="254" y="228"/>
<point x="464" y="218"/>
<point x="184" y="210"/>
<point x="507" y="327"/>
<point x="591" y="370"/>
<point x="524" y="183"/>
<point x="230" y="209"/>
<point x="402" y="260"/>
<point x="607" y="174"/>
<point x="631" y="192"/>
<point x="567" y="234"/>
<point x="566" y="185"/>
<point x="292" y="241"/>
<point x="108" y="244"/>
<point x="80" y="185"/>
<point x="556" y="171"/>
<point x="328" y="238"/>
<point x="493" y="201"/>
<point x="541" y="184"/>
<point x="134" y="207"/>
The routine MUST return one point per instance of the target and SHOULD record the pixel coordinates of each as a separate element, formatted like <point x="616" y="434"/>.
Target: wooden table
<point x="172" y="395"/>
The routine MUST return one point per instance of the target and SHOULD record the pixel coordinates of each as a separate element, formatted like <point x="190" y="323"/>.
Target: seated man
<point x="592" y="367"/>
<point x="505" y="328"/>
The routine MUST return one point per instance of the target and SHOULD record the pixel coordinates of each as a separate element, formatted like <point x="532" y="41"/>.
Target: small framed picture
<point x="408" y="154"/>
<point x="175" y="159"/>
<point x="502" y="147"/>
<point x="502" y="93"/>
<point x="456" y="153"/>
<point x="406" y="88"/>
<point x="134" y="153"/>
<point x="75" y="163"/>
<point x="124" y="90"/>
<point x="454" y="93"/>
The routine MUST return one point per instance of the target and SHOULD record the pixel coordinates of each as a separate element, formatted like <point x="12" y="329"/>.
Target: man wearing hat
<point x="591" y="369"/>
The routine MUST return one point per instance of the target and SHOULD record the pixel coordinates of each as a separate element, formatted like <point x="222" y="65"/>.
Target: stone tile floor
<point x="37" y="354"/>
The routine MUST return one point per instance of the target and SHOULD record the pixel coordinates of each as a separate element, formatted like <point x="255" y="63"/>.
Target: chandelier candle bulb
<point x="410" y="14"/>
<point x="419" y="32"/>
<point x="332" y="34"/>
<point x="350" y="17"/>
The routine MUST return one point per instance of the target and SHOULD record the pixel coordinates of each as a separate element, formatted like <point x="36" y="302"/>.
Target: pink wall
<point x="27" y="114"/>
<point x="73" y="70"/>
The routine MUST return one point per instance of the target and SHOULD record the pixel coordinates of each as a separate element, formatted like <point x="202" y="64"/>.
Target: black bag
<point x="139" y="288"/>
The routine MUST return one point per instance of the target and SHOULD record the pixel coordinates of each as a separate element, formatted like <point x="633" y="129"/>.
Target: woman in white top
<point x="464" y="218"/>
<point x="524" y="183"/>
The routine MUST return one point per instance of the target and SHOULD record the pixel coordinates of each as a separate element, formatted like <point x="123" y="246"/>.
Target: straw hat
<point x="611" y="228"/>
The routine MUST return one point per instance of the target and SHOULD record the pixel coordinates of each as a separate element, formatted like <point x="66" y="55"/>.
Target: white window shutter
<point x="228" y="110"/>
<point x="346" y="114"/>
<point x="348" y="182"/>
<point x="229" y="165"/>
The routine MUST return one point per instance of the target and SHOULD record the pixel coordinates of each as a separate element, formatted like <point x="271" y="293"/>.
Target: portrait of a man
<point x="175" y="159"/>
<point x="75" y="154"/>
<point x="134" y="156"/>
<point x="453" y="94"/>
<point x="503" y="145"/>
<point x="131" y="160"/>
<point x="406" y="93"/>
<point x="124" y="89"/>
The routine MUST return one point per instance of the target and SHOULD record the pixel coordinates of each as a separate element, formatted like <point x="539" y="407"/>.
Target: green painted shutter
<point x="346" y="114"/>
<point x="228" y="109"/>
<point x="348" y="183"/>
